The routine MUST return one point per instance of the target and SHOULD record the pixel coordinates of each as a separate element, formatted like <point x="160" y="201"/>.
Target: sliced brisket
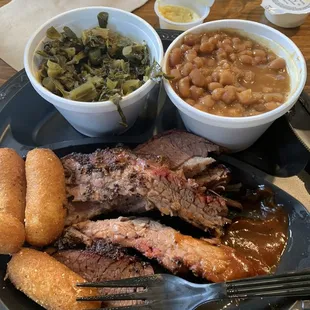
<point x="118" y="180"/>
<point x="105" y="262"/>
<point x="215" y="177"/>
<point x="188" y="153"/>
<point x="171" y="249"/>
<point x="178" y="147"/>
<point x="196" y="165"/>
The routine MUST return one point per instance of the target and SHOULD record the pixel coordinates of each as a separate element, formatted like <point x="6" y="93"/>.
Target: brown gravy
<point x="261" y="233"/>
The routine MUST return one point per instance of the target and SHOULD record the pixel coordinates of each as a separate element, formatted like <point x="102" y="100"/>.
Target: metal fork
<point x="165" y="291"/>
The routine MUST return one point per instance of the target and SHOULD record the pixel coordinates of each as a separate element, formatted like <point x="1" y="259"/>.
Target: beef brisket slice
<point x="174" y="251"/>
<point x="215" y="177"/>
<point x="111" y="264"/>
<point x="188" y="153"/>
<point x="178" y="147"/>
<point x="196" y="165"/>
<point x="118" y="180"/>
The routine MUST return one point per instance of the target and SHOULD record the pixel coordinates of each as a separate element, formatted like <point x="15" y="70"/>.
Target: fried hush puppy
<point x="45" y="197"/>
<point x="12" y="201"/>
<point x="12" y="234"/>
<point x="48" y="282"/>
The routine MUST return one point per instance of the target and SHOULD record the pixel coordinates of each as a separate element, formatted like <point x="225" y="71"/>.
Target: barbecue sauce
<point x="261" y="232"/>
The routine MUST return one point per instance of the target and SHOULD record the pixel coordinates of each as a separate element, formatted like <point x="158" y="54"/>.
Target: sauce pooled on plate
<point x="261" y="233"/>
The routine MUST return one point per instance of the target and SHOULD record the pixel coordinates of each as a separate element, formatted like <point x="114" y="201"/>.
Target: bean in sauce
<point x="239" y="75"/>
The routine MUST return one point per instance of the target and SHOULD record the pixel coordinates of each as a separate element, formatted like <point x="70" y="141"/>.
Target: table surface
<point x="297" y="186"/>
<point x="241" y="9"/>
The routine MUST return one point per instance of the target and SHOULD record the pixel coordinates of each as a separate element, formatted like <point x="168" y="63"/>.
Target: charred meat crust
<point x="117" y="179"/>
<point x="102" y="262"/>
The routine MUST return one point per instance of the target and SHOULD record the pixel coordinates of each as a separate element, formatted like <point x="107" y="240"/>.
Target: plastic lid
<point x="286" y="6"/>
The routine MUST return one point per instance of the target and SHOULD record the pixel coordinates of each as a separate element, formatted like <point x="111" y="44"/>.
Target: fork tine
<point x="124" y="296"/>
<point x="130" y="282"/>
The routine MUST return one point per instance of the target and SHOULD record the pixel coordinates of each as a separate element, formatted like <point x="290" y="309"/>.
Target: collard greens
<point x="100" y="65"/>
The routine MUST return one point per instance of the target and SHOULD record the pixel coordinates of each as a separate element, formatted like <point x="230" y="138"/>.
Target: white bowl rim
<point x="243" y="119"/>
<point x="108" y="103"/>
<point x="205" y="15"/>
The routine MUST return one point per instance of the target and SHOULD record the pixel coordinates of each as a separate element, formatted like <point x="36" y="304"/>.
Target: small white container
<point x="286" y="20"/>
<point x="238" y="133"/>
<point x="286" y="14"/>
<point x="201" y="8"/>
<point x="96" y="118"/>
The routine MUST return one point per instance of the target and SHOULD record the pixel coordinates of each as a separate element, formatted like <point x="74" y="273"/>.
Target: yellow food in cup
<point x="178" y="14"/>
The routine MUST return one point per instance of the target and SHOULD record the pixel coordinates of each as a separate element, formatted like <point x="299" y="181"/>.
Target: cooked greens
<point x="100" y="65"/>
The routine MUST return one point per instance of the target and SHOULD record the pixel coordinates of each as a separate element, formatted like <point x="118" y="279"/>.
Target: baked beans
<point x="227" y="74"/>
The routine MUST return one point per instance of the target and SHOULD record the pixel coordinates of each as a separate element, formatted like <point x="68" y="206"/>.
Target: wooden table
<point x="241" y="9"/>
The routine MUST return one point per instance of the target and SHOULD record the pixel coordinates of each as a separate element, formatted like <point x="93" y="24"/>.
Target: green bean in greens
<point x="101" y="65"/>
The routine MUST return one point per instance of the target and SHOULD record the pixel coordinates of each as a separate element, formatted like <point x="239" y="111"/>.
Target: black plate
<point x="295" y="257"/>
<point x="27" y="121"/>
<point x="298" y="119"/>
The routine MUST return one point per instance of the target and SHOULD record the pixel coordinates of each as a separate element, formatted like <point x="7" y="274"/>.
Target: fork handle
<point x="294" y="284"/>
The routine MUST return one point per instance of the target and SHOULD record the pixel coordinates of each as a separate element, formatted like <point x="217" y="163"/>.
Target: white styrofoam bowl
<point x="95" y="118"/>
<point x="238" y="133"/>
